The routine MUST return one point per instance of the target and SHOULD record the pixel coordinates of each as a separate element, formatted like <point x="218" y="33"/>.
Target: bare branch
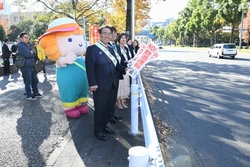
<point x="54" y="10"/>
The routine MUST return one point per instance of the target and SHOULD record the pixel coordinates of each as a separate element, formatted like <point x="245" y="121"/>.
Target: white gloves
<point x="68" y="59"/>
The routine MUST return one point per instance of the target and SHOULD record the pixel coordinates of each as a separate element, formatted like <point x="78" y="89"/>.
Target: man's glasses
<point x="106" y="33"/>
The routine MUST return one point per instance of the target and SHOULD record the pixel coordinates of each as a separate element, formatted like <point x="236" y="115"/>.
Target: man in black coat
<point x="101" y="68"/>
<point x="14" y="51"/>
<point x="6" y="57"/>
<point x="119" y="75"/>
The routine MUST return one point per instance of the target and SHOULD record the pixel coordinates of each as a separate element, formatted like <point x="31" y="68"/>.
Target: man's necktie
<point x="113" y="44"/>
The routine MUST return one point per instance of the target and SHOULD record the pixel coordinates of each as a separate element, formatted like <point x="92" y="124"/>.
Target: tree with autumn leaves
<point x="95" y="12"/>
<point x="120" y="17"/>
<point x="246" y="29"/>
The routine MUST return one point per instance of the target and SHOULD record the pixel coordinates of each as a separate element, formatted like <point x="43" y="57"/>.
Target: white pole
<point x="84" y="27"/>
<point x="134" y="109"/>
<point x="242" y="20"/>
<point x="132" y="19"/>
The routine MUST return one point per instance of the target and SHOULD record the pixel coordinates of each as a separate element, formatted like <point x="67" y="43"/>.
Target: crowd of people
<point x="32" y="53"/>
<point x="106" y="68"/>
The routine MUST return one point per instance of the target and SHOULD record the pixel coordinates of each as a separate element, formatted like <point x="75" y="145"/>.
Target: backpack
<point x="20" y="60"/>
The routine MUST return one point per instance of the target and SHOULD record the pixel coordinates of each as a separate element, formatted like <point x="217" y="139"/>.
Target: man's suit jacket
<point x="100" y="69"/>
<point x="6" y="51"/>
<point x="118" y="50"/>
<point x="130" y="47"/>
<point x="120" y="68"/>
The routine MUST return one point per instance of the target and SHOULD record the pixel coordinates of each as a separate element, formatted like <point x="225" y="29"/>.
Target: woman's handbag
<point x="38" y="66"/>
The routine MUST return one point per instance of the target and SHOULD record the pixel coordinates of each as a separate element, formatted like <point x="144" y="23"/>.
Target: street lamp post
<point x="132" y="19"/>
<point x="241" y="29"/>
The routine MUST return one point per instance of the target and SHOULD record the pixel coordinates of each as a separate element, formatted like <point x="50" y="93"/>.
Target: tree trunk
<point x="128" y="18"/>
<point x="211" y="39"/>
<point x="232" y="33"/>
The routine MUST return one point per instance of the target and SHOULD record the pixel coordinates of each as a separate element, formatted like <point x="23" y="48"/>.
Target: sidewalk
<point x="81" y="148"/>
<point x="38" y="134"/>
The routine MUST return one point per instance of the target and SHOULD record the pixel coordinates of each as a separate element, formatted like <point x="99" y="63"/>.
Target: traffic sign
<point x="151" y="36"/>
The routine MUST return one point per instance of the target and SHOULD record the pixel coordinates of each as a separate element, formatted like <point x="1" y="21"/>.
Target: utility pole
<point x="241" y="29"/>
<point x="132" y="19"/>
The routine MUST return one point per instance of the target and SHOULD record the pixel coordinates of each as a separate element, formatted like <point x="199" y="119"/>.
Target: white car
<point x="223" y="50"/>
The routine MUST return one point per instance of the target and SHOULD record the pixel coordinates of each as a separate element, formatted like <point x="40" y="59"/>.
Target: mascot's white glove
<point x="68" y="59"/>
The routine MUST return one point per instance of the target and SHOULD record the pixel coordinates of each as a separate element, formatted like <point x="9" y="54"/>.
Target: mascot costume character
<point x="63" y="42"/>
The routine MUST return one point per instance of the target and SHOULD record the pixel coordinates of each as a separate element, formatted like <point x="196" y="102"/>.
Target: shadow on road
<point x="33" y="131"/>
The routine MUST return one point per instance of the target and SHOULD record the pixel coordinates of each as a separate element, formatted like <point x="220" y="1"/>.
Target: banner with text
<point x="145" y="54"/>
<point x="94" y="35"/>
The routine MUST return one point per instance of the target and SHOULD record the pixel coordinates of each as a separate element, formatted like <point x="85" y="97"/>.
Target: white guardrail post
<point x="134" y="107"/>
<point x="138" y="156"/>
<point x="149" y="156"/>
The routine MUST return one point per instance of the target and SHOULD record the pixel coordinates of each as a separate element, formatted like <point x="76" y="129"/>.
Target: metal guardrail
<point x="138" y="96"/>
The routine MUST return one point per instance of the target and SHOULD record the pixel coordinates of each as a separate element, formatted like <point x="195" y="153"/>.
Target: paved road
<point x="207" y="102"/>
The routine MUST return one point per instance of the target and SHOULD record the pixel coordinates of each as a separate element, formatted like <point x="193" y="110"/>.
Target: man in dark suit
<point x="6" y="57"/>
<point x="130" y="47"/>
<point x="14" y="51"/>
<point x="100" y="67"/>
<point x="116" y="49"/>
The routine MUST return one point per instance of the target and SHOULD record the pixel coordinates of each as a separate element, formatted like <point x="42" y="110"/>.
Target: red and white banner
<point x="94" y="35"/>
<point x="145" y="54"/>
<point x="1" y="4"/>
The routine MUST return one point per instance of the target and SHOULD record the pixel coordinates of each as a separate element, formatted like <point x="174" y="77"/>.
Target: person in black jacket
<point x="14" y="51"/>
<point x="6" y="57"/>
<point x="101" y="68"/>
<point x="117" y="53"/>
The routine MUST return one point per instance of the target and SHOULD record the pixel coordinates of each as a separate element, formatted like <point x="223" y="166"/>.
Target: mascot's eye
<point x="70" y="40"/>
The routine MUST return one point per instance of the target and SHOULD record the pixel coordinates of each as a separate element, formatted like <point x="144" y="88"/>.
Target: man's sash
<point x="105" y="50"/>
<point x="129" y="53"/>
<point x="116" y="54"/>
<point x="124" y="53"/>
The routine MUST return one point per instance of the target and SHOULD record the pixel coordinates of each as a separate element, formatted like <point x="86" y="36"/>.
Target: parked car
<point x="160" y="46"/>
<point x="223" y="50"/>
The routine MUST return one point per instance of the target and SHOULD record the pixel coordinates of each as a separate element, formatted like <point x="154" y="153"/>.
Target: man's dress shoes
<point x="108" y="130"/>
<point x="116" y="116"/>
<point x="100" y="136"/>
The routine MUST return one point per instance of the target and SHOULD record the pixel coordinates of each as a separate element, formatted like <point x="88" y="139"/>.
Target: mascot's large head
<point x="63" y="35"/>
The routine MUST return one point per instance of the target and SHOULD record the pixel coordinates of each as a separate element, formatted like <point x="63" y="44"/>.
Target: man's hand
<point x="93" y="88"/>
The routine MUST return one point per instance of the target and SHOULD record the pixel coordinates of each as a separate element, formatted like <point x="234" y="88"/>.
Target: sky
<point x="162" y="10"/>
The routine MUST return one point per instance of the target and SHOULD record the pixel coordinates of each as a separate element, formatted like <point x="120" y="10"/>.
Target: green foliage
<point x="13" y="32"/>
<point x="202" y="21"/>
<point x="153" y="30"/>
<point x="231" y="12"/>
<point x="2" y="33"/>
<point x="35" y="28"/>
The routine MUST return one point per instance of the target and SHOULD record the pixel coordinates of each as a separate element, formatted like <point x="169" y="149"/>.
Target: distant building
<point x="16" y="17"/>
<point x="143" y="36"/>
